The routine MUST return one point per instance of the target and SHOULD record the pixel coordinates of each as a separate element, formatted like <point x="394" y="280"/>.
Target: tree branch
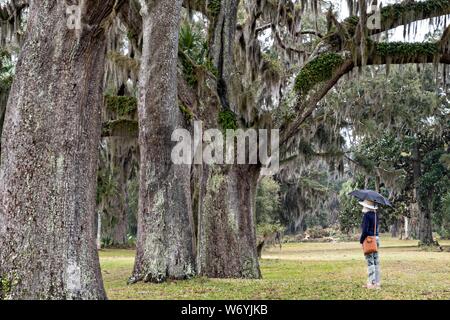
<point x="407" y="52"/>
<point x="379" y="53"/>
<point x="308" y="106"/>
<point x="406" y="12"/>
<point x="310" y="32"/>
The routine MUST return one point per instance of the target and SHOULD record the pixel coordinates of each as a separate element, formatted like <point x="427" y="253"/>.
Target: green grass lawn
<point x="301" y="271"/>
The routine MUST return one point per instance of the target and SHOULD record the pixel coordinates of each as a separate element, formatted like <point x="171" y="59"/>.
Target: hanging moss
<point x="227" y="119"/>
<point x="120" y="128"/>
<point x="121" y="105"/>
<point x="316" y="71"/>
<point x="272" y="63"/>
<point x="424" y="8"/>
<point x="410" y="49"/>
<point x="124" y="62"/>
<point x="397" y="11"/>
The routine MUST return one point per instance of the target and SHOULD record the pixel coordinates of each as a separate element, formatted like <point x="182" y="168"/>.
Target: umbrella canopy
<point x="370" y="195"/>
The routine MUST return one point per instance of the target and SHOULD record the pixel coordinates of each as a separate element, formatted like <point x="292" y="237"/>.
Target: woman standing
<point x="370" y="226"/>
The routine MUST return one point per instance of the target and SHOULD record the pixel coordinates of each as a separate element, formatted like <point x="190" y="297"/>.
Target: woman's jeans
<point x="373" y="266"/>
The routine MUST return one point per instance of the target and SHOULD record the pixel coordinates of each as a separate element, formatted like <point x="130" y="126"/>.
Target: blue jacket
<point x="367" y="225"/>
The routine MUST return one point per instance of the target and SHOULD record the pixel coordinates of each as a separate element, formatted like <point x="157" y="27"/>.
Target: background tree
<point x="165" y="247"/>
<point x="268" y="201"/>
<point x="401" y="119"/>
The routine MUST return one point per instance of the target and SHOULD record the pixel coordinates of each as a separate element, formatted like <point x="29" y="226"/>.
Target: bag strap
<point x="375" y="224"/>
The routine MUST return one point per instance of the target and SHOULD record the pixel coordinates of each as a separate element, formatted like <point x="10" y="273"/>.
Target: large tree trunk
<point x="425" y="234"/>
<point x="50" y="157"/>
<point x="227" y="234"/>
<point x="425" y="224"/>
<point x="165" y="246"/>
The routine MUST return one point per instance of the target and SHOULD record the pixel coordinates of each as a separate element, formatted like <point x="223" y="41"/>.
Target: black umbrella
<point x="370" y="195"/>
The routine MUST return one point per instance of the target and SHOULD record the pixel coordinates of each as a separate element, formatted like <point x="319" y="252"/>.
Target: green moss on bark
<point x="405" y="49"/>
<point x="188" y="114"/>
<point x="227" y="120"/>
<point x="317" y="71"/>
<point x="121" y="127"/>
<point x="121" y="105"/>
<point x="422" y="8"/>
<point x="272" y="65"/>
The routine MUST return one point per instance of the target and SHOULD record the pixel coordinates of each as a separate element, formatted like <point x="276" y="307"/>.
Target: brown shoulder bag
<point x="370" y="243"/>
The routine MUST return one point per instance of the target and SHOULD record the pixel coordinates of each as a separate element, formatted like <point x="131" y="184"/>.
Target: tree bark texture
<point x="165" y="245"/>
<point x="222" y="50"/>
<point x="227" y="236"/>
<point x="50" y="156"/>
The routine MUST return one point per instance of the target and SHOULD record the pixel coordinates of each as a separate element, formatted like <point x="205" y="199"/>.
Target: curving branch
<point x="379" y="54"/>
<point x="307" y="106"/>
<point x="283" y="45"/>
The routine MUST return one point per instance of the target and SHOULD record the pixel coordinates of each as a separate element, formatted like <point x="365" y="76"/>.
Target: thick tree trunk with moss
<point x="227" y="233"/>
<point x="425" y="223"/>
<point x="50" y="157"/>
<point x="165" y="246"/>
